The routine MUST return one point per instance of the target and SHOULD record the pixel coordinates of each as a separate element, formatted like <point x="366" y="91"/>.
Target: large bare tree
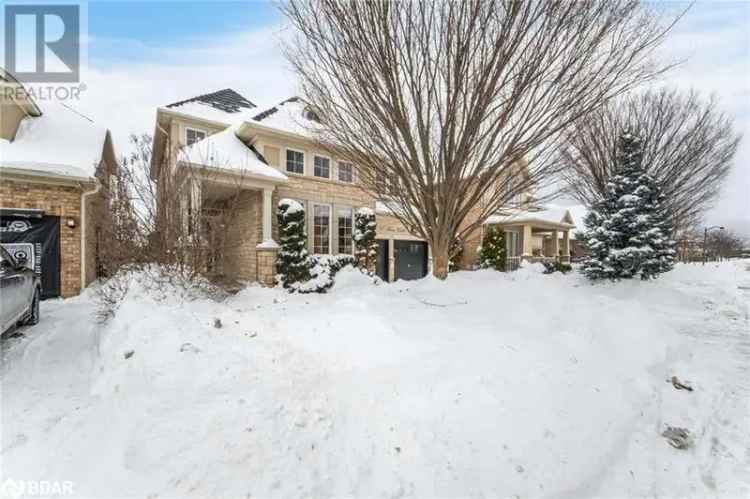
<point x="442" y="104"/>
<point x="688" y="145"/>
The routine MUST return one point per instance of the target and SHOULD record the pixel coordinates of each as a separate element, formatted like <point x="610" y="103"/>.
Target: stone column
<point x="265" y="264"/>
<point x="566" y="246"/>
<point x="527" y="243"/>
<point x="391" y="261"/>
<point x="267" y="215"/>
<point x="556" y="244"/>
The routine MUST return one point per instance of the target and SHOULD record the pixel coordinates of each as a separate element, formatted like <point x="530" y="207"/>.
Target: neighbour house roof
<point x="226" y="100"/>
<point x="61" y="143"/>
<point x="546" y="216"/>
<point x="224" y="150"/>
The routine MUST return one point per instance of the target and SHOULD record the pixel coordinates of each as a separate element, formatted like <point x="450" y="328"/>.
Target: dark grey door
<point x="411" y="259"/>
<point x="383" y="259"/>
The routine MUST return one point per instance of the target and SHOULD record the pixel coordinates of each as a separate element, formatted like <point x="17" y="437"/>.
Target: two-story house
<point x="234" y="150"/>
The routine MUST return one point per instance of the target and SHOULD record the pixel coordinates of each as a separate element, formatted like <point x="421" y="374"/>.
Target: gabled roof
<point x="292" y="116"/>
<point x="226" y="100"/>
<point x="547" y="216"/>
<point x="225" y="151"/>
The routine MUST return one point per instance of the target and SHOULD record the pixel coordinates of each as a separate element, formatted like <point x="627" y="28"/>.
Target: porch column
<point x="391" y="271"/>
<point x="267" y="214"/>
<point x="566" y="245"/>
<point x="556" y="244"/>
<point x="528" y="248"/>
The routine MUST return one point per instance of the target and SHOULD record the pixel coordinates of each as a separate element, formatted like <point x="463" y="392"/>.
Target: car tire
<point x="33" y="317"/>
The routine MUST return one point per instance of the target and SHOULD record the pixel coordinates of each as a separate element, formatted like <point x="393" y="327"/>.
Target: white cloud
<point x="124" y="95"/>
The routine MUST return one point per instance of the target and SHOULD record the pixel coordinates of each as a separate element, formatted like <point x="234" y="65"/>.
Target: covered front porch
<point x="534" y="235"/>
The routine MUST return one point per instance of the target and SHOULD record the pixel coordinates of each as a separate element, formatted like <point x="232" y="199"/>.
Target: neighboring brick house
<point x="231" y="146"/>
<point x="50" y="160"/>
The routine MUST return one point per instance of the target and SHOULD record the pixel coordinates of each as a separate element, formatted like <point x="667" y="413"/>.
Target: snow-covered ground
<point x="489" y="384"/>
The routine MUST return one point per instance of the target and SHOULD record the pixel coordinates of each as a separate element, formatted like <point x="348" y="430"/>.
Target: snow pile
<point x="487" y="384"/>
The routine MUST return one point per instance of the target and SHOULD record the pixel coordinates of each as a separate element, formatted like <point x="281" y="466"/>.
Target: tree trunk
<point x="439" y="260"/>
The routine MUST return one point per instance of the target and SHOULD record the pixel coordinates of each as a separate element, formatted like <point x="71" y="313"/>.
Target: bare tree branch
<point x="451" y="107"/>
<point x="689" y="145"/>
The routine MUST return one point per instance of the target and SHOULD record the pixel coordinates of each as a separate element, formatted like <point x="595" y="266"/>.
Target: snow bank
<point x="487" y="384"/>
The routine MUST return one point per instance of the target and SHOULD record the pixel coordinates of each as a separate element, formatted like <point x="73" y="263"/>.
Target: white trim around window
<point x="350" y="174"/>
<point x="330" y="166"/>
<point x="287" y="150"/>
<point x="196" y="133"/>
<point x="349" y="212"/>
<point x="317" y="245"/>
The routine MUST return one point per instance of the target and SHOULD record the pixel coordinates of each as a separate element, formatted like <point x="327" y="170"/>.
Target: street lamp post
<point x="705" y="239"/>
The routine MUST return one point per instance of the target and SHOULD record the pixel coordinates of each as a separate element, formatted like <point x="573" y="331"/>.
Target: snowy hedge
<point x="322" y="273"/>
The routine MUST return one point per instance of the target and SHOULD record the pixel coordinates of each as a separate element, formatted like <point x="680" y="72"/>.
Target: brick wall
<point x="243" y="235"/>
<point x="56" y="200"/>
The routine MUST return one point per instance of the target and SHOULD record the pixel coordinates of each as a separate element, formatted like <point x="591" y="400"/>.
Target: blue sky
<point x="160" y="24"/>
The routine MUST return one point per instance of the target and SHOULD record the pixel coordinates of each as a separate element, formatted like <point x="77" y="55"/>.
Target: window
<point x="346" y="172"/>
<point x="295" y="161"/>
<point x="322" y="167"/>
<point x="344" y="216"/>
<point x="321" y="229"/>
<point x="192" y="135"/>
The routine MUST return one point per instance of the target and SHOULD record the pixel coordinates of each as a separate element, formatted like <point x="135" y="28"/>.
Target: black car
<point x="20" y="291"/>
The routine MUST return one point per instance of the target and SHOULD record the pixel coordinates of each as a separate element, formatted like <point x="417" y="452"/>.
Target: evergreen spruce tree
<point x="292" y="262"/>
<point x="492" y="251"/>
<point x="365" y="245"/>
<point x="627" y="232"/>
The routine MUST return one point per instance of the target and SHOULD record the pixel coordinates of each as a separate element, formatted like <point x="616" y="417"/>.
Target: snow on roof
<point x="550" y="215"/>
<point x="291" y="116"/>
<point x="60" y="142"/>
<point x="226" y="151"/>
<point x="208" y="112"/>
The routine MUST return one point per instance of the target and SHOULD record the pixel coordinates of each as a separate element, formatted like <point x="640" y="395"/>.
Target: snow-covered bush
<point x="365" y="245"/>
<point x="292" y="262"/>
<point x="492" y="251"/>
<point x="628" y="232"/>
<point x="322" y="273"/>
<point x="556" y="266"/>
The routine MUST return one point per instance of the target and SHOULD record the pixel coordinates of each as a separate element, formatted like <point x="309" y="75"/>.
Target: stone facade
<point x="243" y="235"/>
<point x="62" y="201"/>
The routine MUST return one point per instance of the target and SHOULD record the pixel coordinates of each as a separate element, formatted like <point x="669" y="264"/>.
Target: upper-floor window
<point x="322" y="167"/>
<point x="295" y="161"/>
<point x="193" y="135"/>
<point x="346" y="172"/>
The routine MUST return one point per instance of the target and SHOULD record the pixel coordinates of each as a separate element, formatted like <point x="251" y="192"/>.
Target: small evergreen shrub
<point x="365" y="245"/>
<point x="492" y="251"/>
<point x="293" y="261"/>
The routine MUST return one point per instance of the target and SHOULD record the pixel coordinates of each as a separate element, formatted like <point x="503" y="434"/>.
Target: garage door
<point x="411" y="259"/>
<point x="37" y="237"/>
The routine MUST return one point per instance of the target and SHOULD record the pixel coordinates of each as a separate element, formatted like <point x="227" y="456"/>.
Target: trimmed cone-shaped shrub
<point x="365" y="245"/>
<point x="292" y="262"/>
